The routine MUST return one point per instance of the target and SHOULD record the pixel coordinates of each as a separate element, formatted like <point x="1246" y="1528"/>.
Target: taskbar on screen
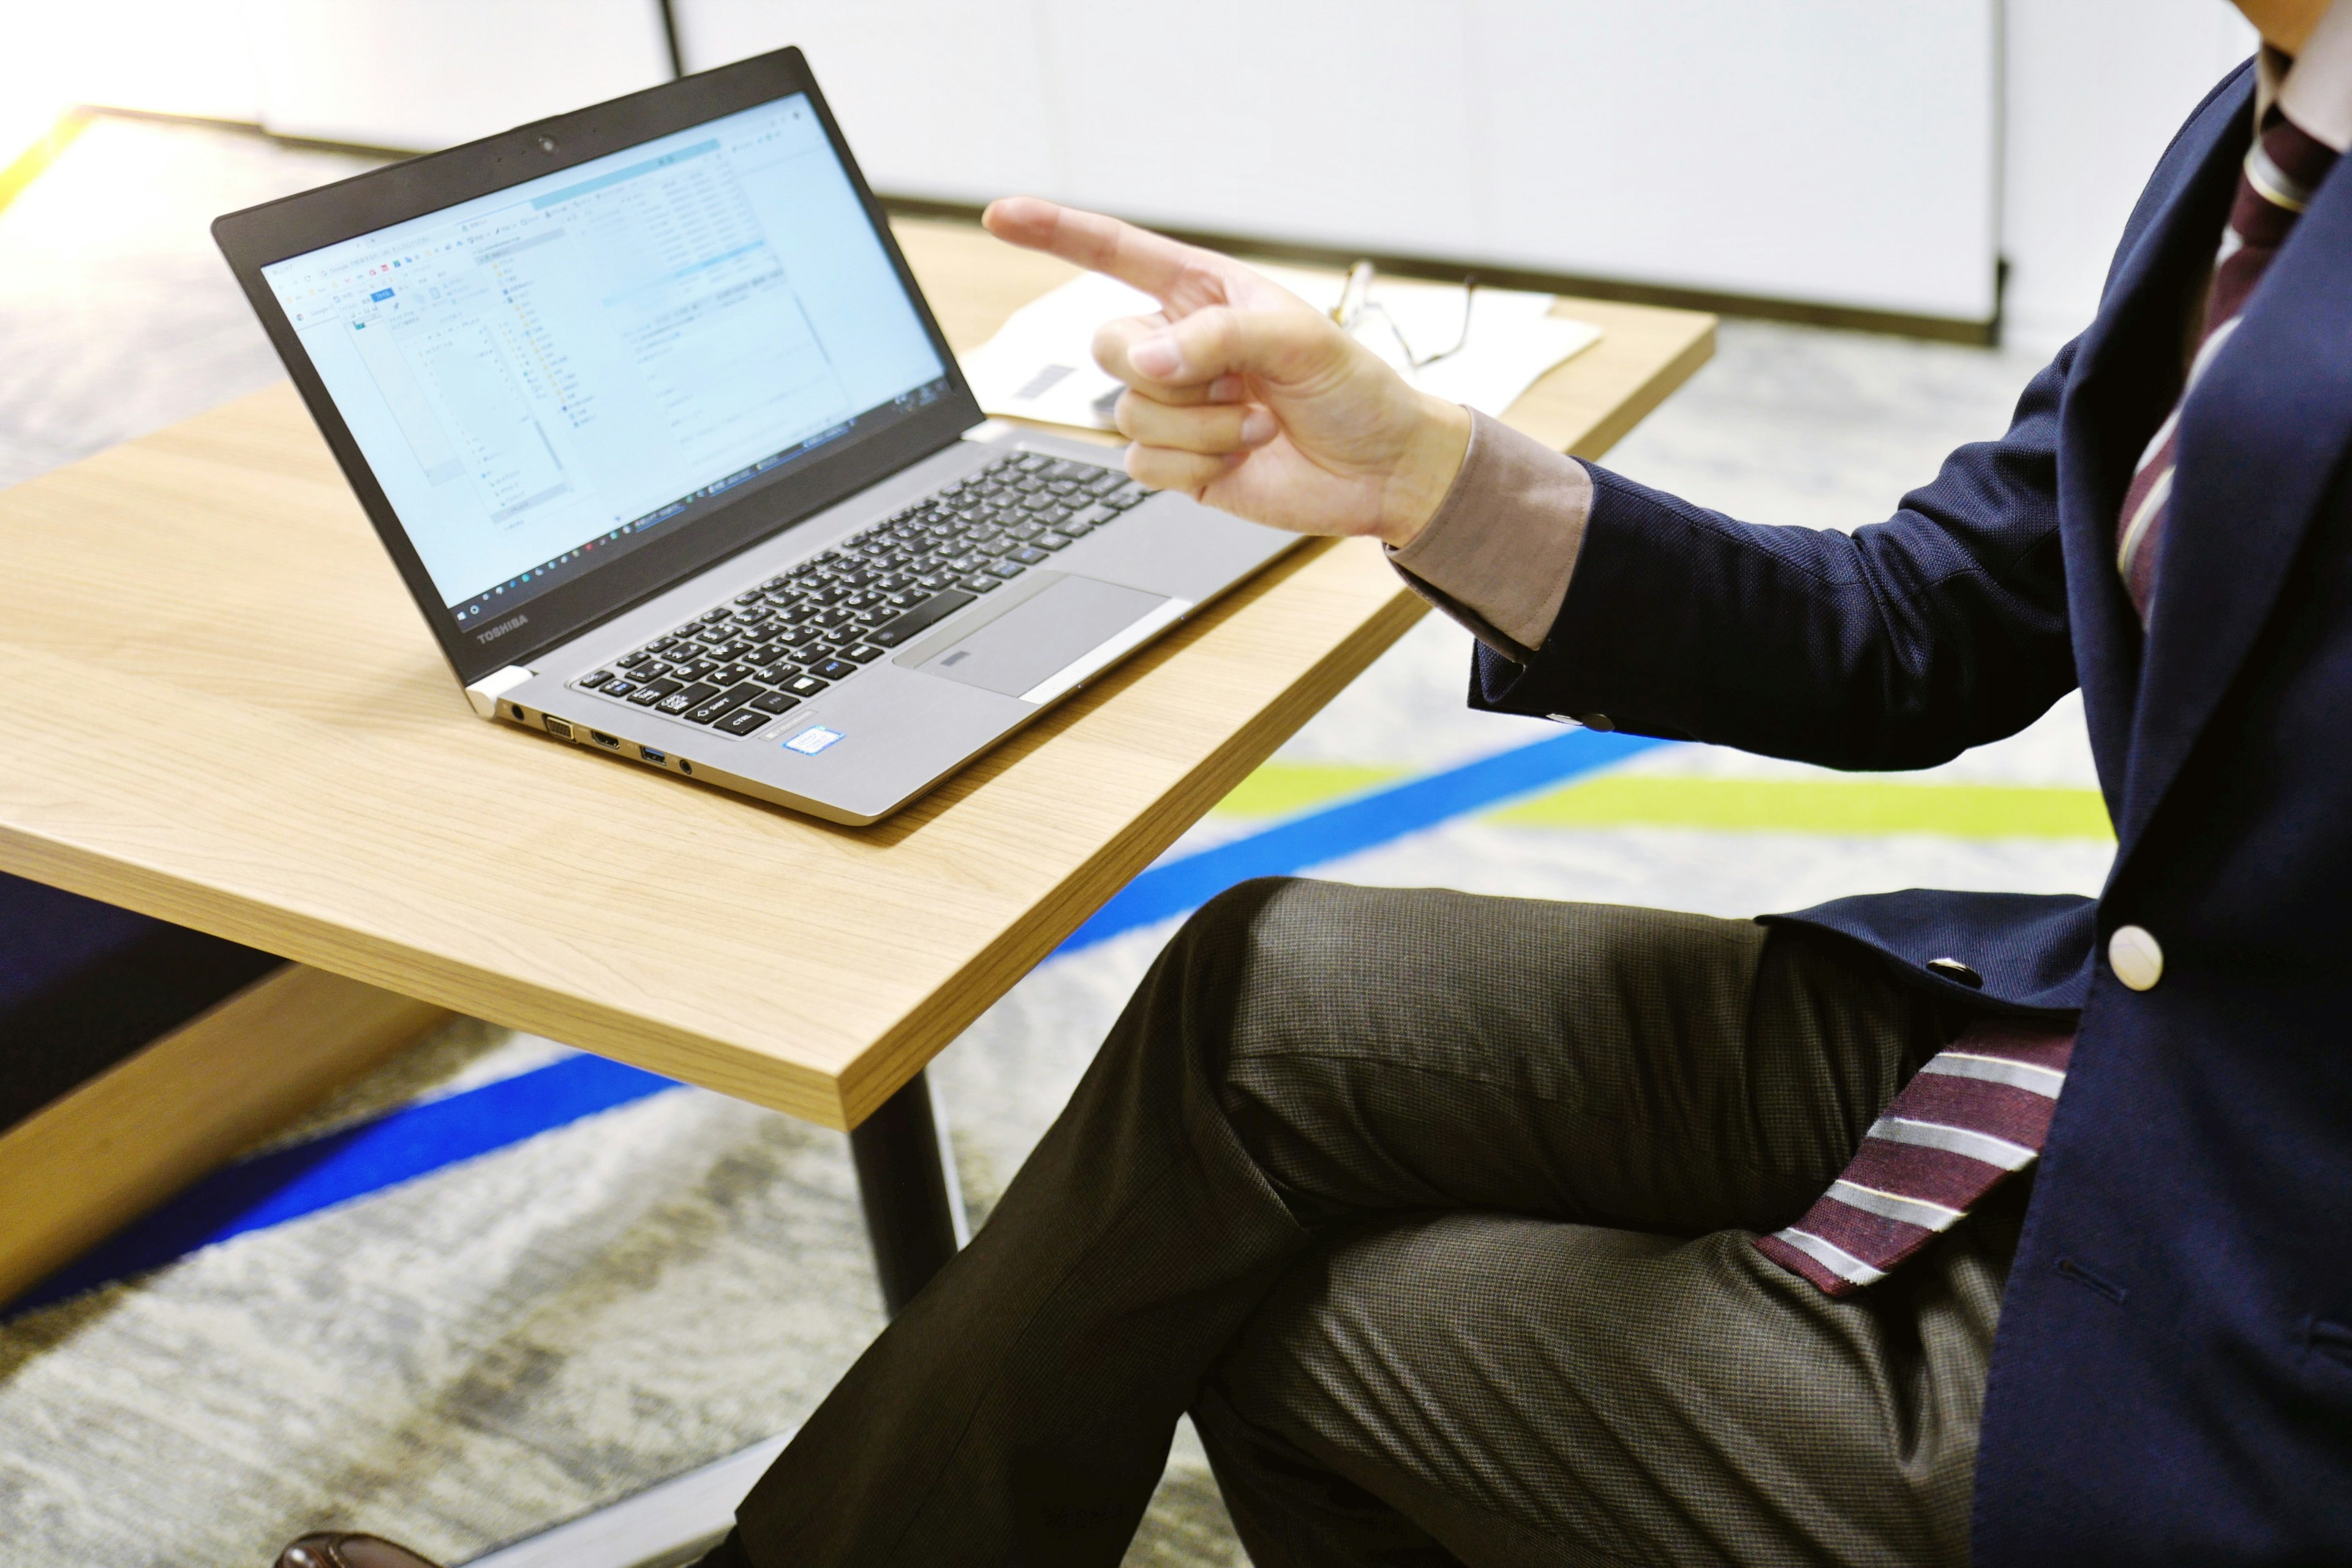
<point x="595" y="553"/>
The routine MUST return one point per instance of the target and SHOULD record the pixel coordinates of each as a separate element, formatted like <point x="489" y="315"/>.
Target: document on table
<point x="1041" y="363"/>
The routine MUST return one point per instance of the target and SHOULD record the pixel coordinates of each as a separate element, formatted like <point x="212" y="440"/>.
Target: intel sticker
<point x="813" y="740"/>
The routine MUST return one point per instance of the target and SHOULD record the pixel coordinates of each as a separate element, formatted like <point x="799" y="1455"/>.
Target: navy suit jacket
<point x="2172" y="1378"/>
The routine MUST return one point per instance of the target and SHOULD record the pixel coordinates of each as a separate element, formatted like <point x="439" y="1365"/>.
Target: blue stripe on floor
<point x="418" y="1139"/>
<point x="1363" y="823"/>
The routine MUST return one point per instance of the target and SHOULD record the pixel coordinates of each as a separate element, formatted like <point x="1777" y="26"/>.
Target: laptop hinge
<point x="484" y="694"/>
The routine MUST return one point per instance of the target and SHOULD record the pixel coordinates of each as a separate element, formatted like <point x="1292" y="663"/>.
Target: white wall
<point x="429" y="73"/>
<point x="1841" y="150"/>
<point x="2095" y="90"/>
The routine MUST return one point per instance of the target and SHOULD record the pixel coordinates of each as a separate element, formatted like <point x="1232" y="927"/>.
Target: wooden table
<point x="233" y="718"/>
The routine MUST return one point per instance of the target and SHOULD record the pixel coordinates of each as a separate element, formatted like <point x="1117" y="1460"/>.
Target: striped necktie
<point x="1977" y="1111"/>
<point x="2282" y="169"/>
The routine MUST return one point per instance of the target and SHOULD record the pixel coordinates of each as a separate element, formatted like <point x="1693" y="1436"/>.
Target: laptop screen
<point x="547" y="378"/>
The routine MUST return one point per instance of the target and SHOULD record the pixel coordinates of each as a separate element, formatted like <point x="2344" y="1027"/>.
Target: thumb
<point x="1281" y="346"/>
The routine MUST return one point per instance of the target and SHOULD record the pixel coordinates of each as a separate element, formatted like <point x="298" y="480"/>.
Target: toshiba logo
<point x="502" y="629"/>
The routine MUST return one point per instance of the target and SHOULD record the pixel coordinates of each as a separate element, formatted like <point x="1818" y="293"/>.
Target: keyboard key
<point x="619" y="688"/>
<point x="1033" y="463"/>
<point x="1008" y="568"/>
<point x="773" y="702"/>
<point x="761" y="657"/>
<point x="1050" y="542"/>
<point x="1039" y="502"/>
<point x="742" y="721"/>
<point x="687" y="699"/>
<point x="711" y="617"/>
<point x="752" y="597"/>
<point x="863" y="653"/>
<point x="696" y="670"/>
<point x="653" y="691"/>
<point x="803" y="686"/>
<point x="634" y="660"/>
<point x="726" y="702"/>
<point x="978" y="583"/>
<point x="833" y="670"/>
<point x="591" y="682"/>
<point x="1027" y="556"/>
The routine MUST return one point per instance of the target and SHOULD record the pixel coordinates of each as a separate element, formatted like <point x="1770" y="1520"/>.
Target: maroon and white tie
<point x="2282" y="168"/>
<point x="1980" y="1109"/>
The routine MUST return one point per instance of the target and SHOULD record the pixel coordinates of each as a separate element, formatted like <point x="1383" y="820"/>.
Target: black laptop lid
<point x="568" y="365"/>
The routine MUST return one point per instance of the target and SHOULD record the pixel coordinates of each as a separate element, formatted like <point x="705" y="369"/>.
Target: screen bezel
<point x="705" y="533"/>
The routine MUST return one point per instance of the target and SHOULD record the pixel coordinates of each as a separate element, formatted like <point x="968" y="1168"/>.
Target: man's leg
<point x="1303" y="1057"/>
<point x="1491" y="1389"/>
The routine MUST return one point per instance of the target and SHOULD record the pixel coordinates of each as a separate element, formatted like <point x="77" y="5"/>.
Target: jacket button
<point x="2138" y="962"/>
<point x="1953" y="969"/>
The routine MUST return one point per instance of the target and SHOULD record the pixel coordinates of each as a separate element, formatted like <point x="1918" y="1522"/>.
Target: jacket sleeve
<point x="1897" y="646"/>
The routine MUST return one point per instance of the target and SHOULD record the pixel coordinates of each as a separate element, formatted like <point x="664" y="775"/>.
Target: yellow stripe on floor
<point x="30" y="164"/>
<point x="1280" y="789"/>
<point x="1857" y="807"/>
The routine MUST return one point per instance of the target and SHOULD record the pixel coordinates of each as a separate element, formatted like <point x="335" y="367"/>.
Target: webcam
<point x="547" y="143"/>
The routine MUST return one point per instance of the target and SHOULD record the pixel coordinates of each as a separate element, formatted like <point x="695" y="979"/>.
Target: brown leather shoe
<point x="336" y="1549"/>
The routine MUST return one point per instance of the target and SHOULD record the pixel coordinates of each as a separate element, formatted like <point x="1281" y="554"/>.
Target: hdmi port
<point x="602" y="739"/>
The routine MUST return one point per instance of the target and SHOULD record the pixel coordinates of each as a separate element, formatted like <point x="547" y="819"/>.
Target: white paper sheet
<point x="1041" y="365"/>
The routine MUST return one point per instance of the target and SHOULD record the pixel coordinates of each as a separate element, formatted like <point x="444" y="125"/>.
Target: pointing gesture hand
<point x="1246" y="396"/>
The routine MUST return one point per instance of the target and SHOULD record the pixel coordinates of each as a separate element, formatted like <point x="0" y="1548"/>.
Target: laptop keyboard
<point x="739" y="665"/>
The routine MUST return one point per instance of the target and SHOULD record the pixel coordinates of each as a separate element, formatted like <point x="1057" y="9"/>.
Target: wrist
<point x="1424" y="471"/>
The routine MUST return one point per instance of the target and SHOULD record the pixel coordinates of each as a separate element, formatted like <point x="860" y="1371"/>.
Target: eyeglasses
<point x="1357" y="308"/>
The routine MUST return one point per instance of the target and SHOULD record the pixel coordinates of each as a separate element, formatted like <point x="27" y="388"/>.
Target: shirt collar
<point x="2313" y="89"/>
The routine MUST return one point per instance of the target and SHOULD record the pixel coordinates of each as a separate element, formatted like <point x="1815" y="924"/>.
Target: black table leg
<point x="909" y="1205"/>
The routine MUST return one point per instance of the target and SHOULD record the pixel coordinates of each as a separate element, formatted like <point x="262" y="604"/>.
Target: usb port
<point x="602" y="739"/>
<point x="556" y="726"/>
<point x="656" y="758"/>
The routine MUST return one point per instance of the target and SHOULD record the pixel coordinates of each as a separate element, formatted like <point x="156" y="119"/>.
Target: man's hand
<point x="1245" y="395"/>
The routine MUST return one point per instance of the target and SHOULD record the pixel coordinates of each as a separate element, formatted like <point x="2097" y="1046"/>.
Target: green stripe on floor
<point x="1857" y="807"/>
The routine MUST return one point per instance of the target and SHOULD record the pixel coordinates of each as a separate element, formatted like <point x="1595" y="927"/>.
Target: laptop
<point x="654" y="421"/>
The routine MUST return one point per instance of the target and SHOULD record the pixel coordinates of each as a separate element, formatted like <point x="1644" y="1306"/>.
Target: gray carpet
<point x="510" y="1342"/>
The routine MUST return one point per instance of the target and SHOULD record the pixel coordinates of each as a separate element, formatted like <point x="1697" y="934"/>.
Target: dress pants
<point x="1434" y="1210"/>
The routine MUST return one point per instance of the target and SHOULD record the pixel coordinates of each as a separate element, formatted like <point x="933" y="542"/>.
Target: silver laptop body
<point x="663" y="437"/>
<point x="892" y="724"/>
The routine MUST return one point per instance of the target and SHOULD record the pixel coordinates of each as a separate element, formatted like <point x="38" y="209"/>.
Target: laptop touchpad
<point x="1021" y="651"/>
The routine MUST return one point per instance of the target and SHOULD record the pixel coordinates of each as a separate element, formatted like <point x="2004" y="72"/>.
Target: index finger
<point x="1148" y="261"/>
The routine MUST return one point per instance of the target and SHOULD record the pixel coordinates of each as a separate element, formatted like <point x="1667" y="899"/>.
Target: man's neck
<point x="2285" y="25"/>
